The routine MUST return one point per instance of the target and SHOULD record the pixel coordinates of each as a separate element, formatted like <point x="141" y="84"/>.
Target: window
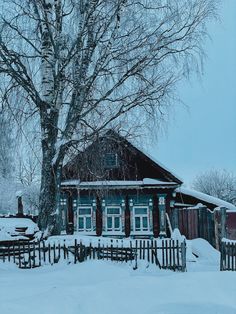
<point x="110" y="160"/>
<point x="113" y="219"/>
<point x="141" y="218"/>
<point x="84" y="216"/>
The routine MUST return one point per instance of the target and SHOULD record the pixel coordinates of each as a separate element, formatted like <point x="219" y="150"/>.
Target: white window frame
<point x="84" y="218"/>
<point x="141" y="221"/>
<point x="113" y="218"/>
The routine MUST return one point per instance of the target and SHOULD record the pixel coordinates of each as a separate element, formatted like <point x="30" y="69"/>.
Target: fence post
<point x="44" y="252"/>
<point x="75" y="251"/>
<point x="183" y="256"/>
<point x="29" y="250"/>
<point x="223" y="222"/>
<point x="39" y="248"/>
<point x="8" y="252"/>
<point x="64" y="248"/>
<point x="19" y="255"/>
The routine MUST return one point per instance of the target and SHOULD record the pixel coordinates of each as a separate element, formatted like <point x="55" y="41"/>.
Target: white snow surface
<point x="8" y="227"/>
<point x="206" y="198"/>
<point x="102" y="287"/>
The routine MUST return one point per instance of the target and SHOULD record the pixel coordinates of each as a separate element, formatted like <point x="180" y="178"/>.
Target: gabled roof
<point x="147" y="164"/>
<point x="145" y="155"/>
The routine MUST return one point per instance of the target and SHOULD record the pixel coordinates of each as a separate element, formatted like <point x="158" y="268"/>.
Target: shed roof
<point x="206" y="198"/>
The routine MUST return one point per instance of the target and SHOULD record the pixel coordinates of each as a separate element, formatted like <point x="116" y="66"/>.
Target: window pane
<point x="81" y="223"/>
<point x="117" y="222"/>
<point x="110" y="160"/>
<point x="109" y="222"/>
<point x="140" y="211"/>
<point x="113" y="211"/>
<point x="137" y="223"/>
<point x="145" y="223"/>
<point x="85" y="211"/>
<point x="88" y="222"/>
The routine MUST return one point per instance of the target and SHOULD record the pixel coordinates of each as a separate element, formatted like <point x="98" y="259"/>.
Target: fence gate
<point x="197" y="222"/>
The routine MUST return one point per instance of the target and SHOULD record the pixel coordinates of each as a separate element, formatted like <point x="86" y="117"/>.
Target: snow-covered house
<point x="114" y="188"/>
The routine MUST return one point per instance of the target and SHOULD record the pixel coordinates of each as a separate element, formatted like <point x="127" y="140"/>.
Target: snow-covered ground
<point x="102" y="287"/>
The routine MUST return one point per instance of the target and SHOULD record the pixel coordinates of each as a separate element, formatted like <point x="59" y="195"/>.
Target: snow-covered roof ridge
<point x="205" y="197"/>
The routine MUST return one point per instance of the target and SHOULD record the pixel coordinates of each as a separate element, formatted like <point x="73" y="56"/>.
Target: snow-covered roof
<point x="205" y="197"/>
<point x="146" y="182"/>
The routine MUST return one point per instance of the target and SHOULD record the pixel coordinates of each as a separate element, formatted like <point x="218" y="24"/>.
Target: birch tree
<point x="81" y="66"/>
<point x="6" y="148"/>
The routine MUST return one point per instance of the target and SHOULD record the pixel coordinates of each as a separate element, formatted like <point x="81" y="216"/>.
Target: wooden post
<point x="8" y="252"/>
<point x="64" y="249"/>
<point x="19" y="256"/>
<point x="111" y="250"/>
<point x="49" y="253"/>
<point x="34" y="255"/>
<point x="44" y="252"/>
<point x="14" y="255"/>
<point x="20" y="211"/>
<point x="39" y="249"/>
<point x="75" y="251"/>
<point x="30" y="264"/>
<point x="54" y="253"/>
<point x="216" y="227"/>
<point x="162" y="214"/>
<point x="223" y="222"/>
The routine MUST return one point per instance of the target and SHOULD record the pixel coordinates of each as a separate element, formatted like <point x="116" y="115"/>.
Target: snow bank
<point x="8" y="228"/>
<point x="204" y="250"/>
<point x="98" y="287"/>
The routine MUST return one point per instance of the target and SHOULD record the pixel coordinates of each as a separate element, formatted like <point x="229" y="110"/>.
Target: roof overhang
<point x="118" y="185"/>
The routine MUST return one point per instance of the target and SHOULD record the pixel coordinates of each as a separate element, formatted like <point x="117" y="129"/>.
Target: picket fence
<point x="165" y="254"/>
<point x="228" y="256"/>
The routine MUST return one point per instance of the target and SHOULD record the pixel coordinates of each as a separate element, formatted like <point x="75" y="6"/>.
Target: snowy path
<point x="97" y="287"/>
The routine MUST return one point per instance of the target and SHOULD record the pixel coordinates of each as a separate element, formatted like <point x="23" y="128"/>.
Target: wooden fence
<point x="165" y="254"/>
<point x="197" y="223"/>
<point x="228" y="256"/>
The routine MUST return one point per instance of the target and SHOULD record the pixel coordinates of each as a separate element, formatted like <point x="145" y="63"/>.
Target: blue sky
<point x="203" y="135"/>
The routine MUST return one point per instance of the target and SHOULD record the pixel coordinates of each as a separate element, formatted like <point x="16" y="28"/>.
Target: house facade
<point x="113" y="188"/>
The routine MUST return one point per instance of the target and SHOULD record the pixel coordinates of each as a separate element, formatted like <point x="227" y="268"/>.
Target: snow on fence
<point x="228" y="255"/>
<point x="165" y="254"/>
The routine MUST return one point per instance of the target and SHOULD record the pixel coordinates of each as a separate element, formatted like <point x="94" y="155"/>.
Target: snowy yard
<point x="95" y="287"/>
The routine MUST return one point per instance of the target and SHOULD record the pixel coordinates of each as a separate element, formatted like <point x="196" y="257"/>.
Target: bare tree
<point x="217" y="183"/>
<point x="81" y="66"/>
<point x="6" y="148"/>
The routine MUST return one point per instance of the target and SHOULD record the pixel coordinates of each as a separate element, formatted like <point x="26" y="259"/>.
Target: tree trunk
<point x="49" y="210"/>
<point x="49" y="214"/>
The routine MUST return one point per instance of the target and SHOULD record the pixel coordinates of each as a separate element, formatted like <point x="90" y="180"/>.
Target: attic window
<point x="111" y="160"/>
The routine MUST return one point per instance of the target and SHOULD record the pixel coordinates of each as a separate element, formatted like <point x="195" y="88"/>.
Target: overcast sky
<point x="203" y="136"/>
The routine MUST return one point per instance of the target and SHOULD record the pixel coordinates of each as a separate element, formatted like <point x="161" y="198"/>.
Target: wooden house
<point x="113" y="188"/>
